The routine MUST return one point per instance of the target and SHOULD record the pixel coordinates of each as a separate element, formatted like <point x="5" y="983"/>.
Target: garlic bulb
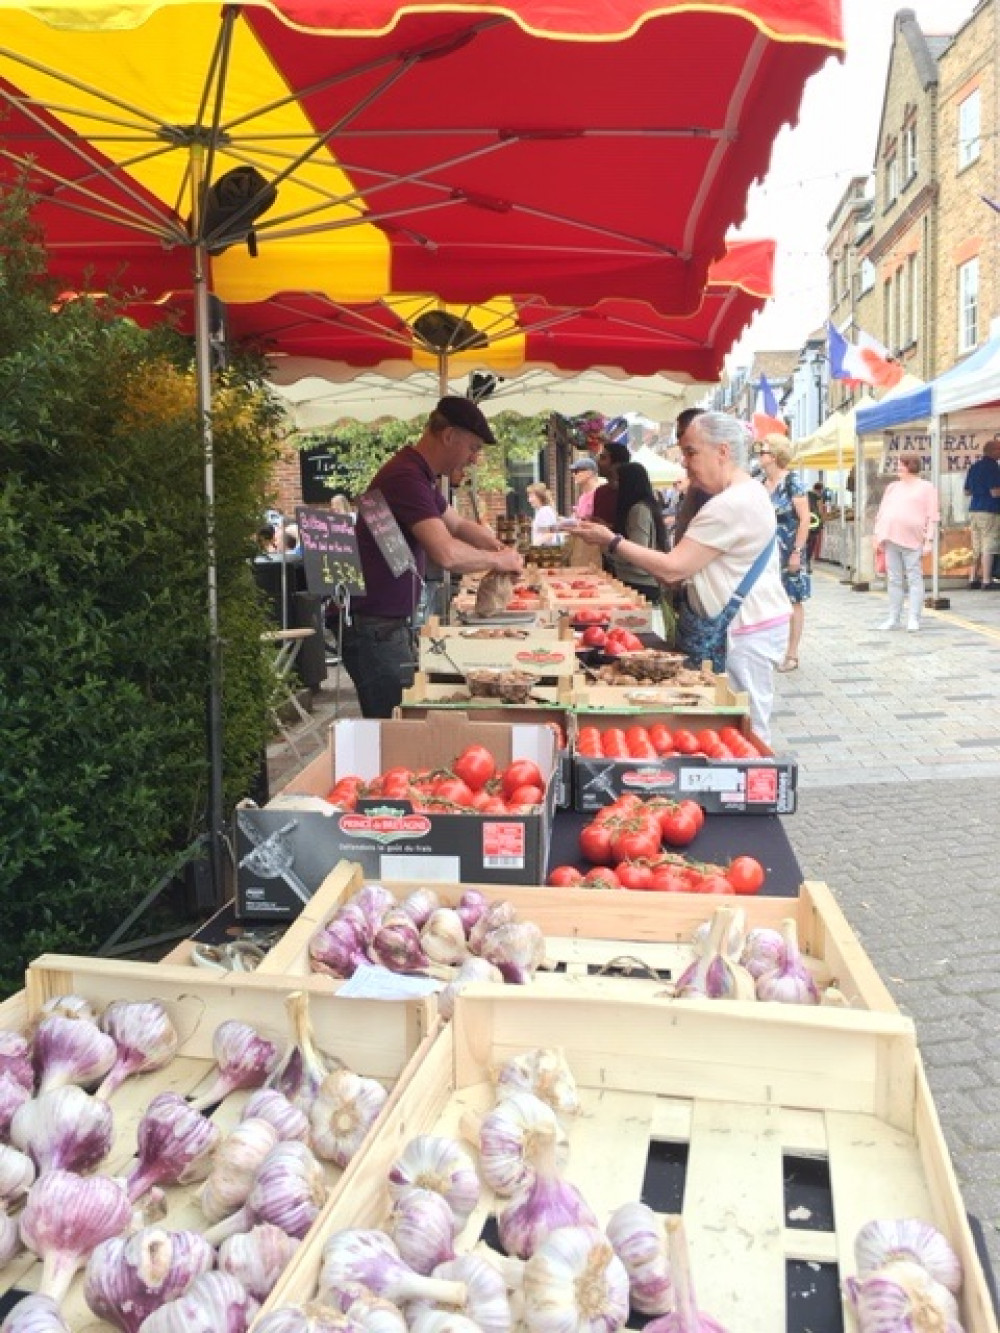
<point x="370" y="1257"/>
<point x="145" y="1037"/>
<point x="640" y="1243"/>
<point x="881" y="1243"/>
<point x="129" y="1277"/>
<point x="176" y="1144"/>
<point x="345" y="1108"/>
<point x="486" y="1302"/>
<point x="471" y="906"/>
<point x="713" y="975"/>
<point x="338" y="948"/>
<point x="421" y="904"/>
<point x="257" y="1257"/>
<point x="517" y="949"/>
<point x="235" y="1164"/>
<point x="290" y="1121"/>
<point x="685" y="1316"/>
<point x="397" y="945"/>
<point x="10" y="1238"/>
<point x="439" y="1164"/>
<point x="575" y="1283"/>
<point x="244" y="1060"/>
<point x="17" y="1174"/>
<point x="69" y="1006"/>
<point x="422" y="1226"/>
<point x="12" y="1095"/>
<point x="734" y="939"/>
<point x="35" y="1314"/>
<point x="492" y="917"/>
<point x="547" y="1204"/>
<point x="902" y="1298"/>
<point x="309" y="1318"/>
<point x="303" y="1067"/>
<point x="472" y="969"/>
<point x="68" y="1050"/>
<point x="790" y="981"/>
<point x="374" y="901"/>
<point x="15" y="1059"/>
<point x="214" y="1303"/>
<point x="443" y="937"/>
<point x="508" y="1138"/>
<point x="289" y="1190"/>
<point x="368" y="1313"/>
<point x="65" y="1218"/>
<point x="762" y="950"/>
<point x="65" y="1129"/>
<point x="442" y="1321"/>
<point x="545" y="1073"/>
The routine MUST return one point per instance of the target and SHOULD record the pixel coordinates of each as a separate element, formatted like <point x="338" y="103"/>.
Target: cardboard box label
<point x="762" y="786"/>
<point x="384" y="825"/>
<point x="503" y="846"/>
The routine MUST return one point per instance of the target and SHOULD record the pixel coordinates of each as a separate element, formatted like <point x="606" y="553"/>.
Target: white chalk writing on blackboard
<point x="329" y="551"/>
<point x="386" y="532"/>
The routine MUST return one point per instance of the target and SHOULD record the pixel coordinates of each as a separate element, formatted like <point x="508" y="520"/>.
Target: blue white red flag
<point x="765" y="416"/>
<point x="864" y="362"/>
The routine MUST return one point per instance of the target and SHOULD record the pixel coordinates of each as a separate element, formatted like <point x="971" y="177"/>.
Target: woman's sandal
<point x="789" y="664"/>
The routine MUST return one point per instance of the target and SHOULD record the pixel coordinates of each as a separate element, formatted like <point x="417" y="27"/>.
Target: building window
<point x="968" y="305"/>
<point x="912" y="300"/>
<point x="867" y="275"/>
<point x="968" y="130"/>
<point x="888" y="314"/>
<point x="891" y="180"/>
<point x="909" y="154"/>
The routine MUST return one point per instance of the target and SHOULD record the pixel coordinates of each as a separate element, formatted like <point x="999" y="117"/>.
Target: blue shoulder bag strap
<point x="748" y="580"/>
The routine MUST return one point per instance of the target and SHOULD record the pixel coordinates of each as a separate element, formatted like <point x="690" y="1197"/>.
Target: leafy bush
<point x="103" y="655"/>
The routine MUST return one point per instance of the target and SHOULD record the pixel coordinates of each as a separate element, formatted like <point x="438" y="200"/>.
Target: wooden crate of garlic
<point x="536" y="1120"/>
<point x="216" y="1118"/>
<point x="637" y="940"/>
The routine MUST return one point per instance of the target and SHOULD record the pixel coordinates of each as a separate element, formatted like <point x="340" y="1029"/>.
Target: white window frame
<point x="968" y="305"/>
<point x="909" y="154"/>
<point x="969" y="130"/>
<point x="891" y="180"/>
<point x="913" y="298"/>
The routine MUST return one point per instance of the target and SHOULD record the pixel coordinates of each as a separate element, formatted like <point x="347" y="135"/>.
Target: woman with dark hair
<point x="638" y="519"/>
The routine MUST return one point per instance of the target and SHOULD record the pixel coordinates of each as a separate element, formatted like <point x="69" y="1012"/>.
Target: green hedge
<point x="103" y="646"/>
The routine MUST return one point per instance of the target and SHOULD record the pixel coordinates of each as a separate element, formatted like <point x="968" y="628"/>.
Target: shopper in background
<point x="727" y="535"/>
<point x="904" y="529"/>
<point x="693" y="497"/>
<point x="586" y="480"/>
<point x="611" y="457"/>
<point x="378" y="642"/>
<point x="817" y="520"/>
<point x="791" y="509"/>
<point x="640" y="522"/>
<point x="543" y="524"/>
<point x="982" y="486"/>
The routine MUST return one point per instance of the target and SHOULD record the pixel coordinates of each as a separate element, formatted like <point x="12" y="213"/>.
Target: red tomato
<point x="745" y="874"/>
<point x="695" y="811"/>
<point x="454" y="790"/>
<point x="731" y="736"/>
<point x="521" y="773"/>
<point x="633" y="734"/>
<point x="589" y="749"/>
<point x="525" y="796"/>
<point x="601" y="877"/>
<point x="595" y="844"/>
<point x="678" y="827"/>
<point x="398" y="774"/>
<point x="715" y="884"/>
<point x="397" y="788"/>
<point x="662" y="740"/>
<point x="665" y="879"/>
<point x="635" y="875"/>
<point x="522" y="604"/>
<point x="613" y="745"/>
<point x="709" y="740"/>
<point x="495" y="806"/>
<point x="475" y="766"/>
<point x="685" y="742"/>
<point x="636" y="839"/>
<point x="594" y="636"/>
<point x="564" y="877"/>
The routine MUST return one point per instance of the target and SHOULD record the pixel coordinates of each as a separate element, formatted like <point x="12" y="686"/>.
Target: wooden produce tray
<point x="585" y="929"/>
<point x="375" y="1039"/>
<point x="452" y="650"/>
<point x="426" y="693"/>
<point x="741" y="1097"/>
<point x="711" y="696"/>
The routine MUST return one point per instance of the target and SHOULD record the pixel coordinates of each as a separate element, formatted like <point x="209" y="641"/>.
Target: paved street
<point x="898" y="741"/>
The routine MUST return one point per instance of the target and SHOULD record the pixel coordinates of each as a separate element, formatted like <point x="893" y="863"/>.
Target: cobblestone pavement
<point x="898" y="741"/>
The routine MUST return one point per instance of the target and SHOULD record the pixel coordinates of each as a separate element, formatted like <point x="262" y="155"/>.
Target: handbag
<point x="703" y="638"/>
<point x="881" y="567"/>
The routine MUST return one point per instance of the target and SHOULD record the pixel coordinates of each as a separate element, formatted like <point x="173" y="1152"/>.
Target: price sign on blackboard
<point x="329" y="551"/>
<point x="388" y="535"/>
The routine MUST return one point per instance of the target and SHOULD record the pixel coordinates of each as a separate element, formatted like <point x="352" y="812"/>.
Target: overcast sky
<point x="812" y="164"/>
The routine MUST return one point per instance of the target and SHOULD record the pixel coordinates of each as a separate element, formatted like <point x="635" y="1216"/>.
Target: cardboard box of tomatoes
<point x="715" y="760"/>
<point x="412" y="831"/>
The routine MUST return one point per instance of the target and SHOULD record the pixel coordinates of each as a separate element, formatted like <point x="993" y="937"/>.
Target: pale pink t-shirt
<point x="907" y="514"/>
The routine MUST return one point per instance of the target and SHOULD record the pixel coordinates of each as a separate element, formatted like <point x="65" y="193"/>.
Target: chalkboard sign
<point x="388" y="536"/>
<point x="329" y="551"/>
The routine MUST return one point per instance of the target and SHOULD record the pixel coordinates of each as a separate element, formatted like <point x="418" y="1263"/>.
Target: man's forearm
<point x="475" y="534"/>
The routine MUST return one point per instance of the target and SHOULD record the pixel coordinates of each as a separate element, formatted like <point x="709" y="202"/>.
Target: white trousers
<point x="903" y="562"/>
<point x="750" y="662"/>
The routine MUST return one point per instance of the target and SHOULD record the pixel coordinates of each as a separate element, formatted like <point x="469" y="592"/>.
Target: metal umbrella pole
<point x="936" y="483"/>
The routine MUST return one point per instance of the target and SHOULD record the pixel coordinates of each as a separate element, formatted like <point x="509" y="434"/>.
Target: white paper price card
<point x="710" y="779"/>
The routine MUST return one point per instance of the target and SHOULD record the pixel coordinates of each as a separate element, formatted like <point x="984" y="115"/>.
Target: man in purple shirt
<point x="378" y="649"/>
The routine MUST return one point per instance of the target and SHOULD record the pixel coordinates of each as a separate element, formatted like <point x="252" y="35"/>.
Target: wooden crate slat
<point x="609" y="1145"/>
<point x="734" y="1214"/>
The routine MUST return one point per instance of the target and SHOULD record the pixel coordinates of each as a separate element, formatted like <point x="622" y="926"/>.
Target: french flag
<point x="864" y="362"/>
<point x="765" y="416"/>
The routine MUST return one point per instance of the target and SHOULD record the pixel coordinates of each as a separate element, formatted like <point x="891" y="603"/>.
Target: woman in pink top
<point x="904" y="529"/>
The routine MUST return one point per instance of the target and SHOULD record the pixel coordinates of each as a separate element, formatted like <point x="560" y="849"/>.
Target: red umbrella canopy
<point x="508" y="333"/>
<point x="568" y="150"/>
